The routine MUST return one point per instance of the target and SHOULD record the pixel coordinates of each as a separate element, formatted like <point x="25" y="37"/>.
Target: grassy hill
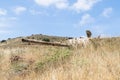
<point x="100" y="60"/>
<point x="41" y="37"/>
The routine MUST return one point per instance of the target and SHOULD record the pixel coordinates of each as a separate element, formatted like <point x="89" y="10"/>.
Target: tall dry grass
<point x="100" y="60"/>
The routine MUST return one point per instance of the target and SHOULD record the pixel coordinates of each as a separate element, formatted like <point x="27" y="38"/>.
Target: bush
<point x="46" y="40"/>
<point x="9" y="38"/>
<point x="3" y="41"/>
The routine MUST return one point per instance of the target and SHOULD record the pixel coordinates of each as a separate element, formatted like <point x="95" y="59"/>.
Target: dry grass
<point x="98" y="61"/>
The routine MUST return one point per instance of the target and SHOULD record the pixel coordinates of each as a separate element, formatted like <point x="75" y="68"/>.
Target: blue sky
<point x="59" y="17"/>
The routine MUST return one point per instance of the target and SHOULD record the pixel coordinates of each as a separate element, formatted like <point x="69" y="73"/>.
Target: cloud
<point x="3" y="12"/>
<point x="45" y="2"/>
<point x="37" y="12"/>
<point x="6" y="25"/>
<point x="78" y="6"/>
<point x="60" y="4"/>
<point x="107" y="12"/>
<point x="34" y="12"/>
<point x="84" y="5"/>
<point x="86" y="20"/>
<point x="7" y="21"/>
<point x="4" y="31"/>
<point x="19" y="10"/>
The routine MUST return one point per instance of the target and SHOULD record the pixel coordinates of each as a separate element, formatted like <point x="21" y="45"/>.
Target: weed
<point x="59" y="55"/>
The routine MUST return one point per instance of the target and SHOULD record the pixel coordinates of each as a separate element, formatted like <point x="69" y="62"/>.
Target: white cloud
<point x="107" y="12"/>
<point x="3" y="25"/>
<point x="60" y="4"/>
<point x="84" y="5"/>
<point x="6" y="25"/>
<point x="7" y="21"/>
<point x="19" y="9"/>
<point x="34" y="12"/>
<point x="37" y="12"/>
<point x="86" y="20"/>
<point x="79" y="5"/>
<point x="4" y="31"/>
<point x="3" y="12"/>
<point x="44" y="2"/>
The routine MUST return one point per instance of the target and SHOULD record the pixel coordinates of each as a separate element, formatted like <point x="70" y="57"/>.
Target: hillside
<point x="100" y="60"/>
<point x="17" y="41"/>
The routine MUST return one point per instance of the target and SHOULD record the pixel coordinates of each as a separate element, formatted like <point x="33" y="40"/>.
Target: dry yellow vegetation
<point x="100" y="60"/>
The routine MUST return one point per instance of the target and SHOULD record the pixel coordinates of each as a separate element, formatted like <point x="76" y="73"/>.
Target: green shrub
<point x="60" y="55"/>
<point x="46" y="40"/>
<point x="3" y="41"/>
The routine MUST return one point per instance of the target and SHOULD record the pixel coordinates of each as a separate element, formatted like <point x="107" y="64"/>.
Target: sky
<point x="68" y="18"/>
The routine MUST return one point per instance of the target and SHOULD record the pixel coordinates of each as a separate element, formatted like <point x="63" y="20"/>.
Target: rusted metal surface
<point x="32" y="41"/>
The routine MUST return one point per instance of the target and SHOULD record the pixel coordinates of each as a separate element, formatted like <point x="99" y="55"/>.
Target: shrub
<point x="60" y="55"/>
<point x="46" y="40"/>
<point x="3" y="41"/>
<point x="9" y="38"/>
<point x="33" y="37"/>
